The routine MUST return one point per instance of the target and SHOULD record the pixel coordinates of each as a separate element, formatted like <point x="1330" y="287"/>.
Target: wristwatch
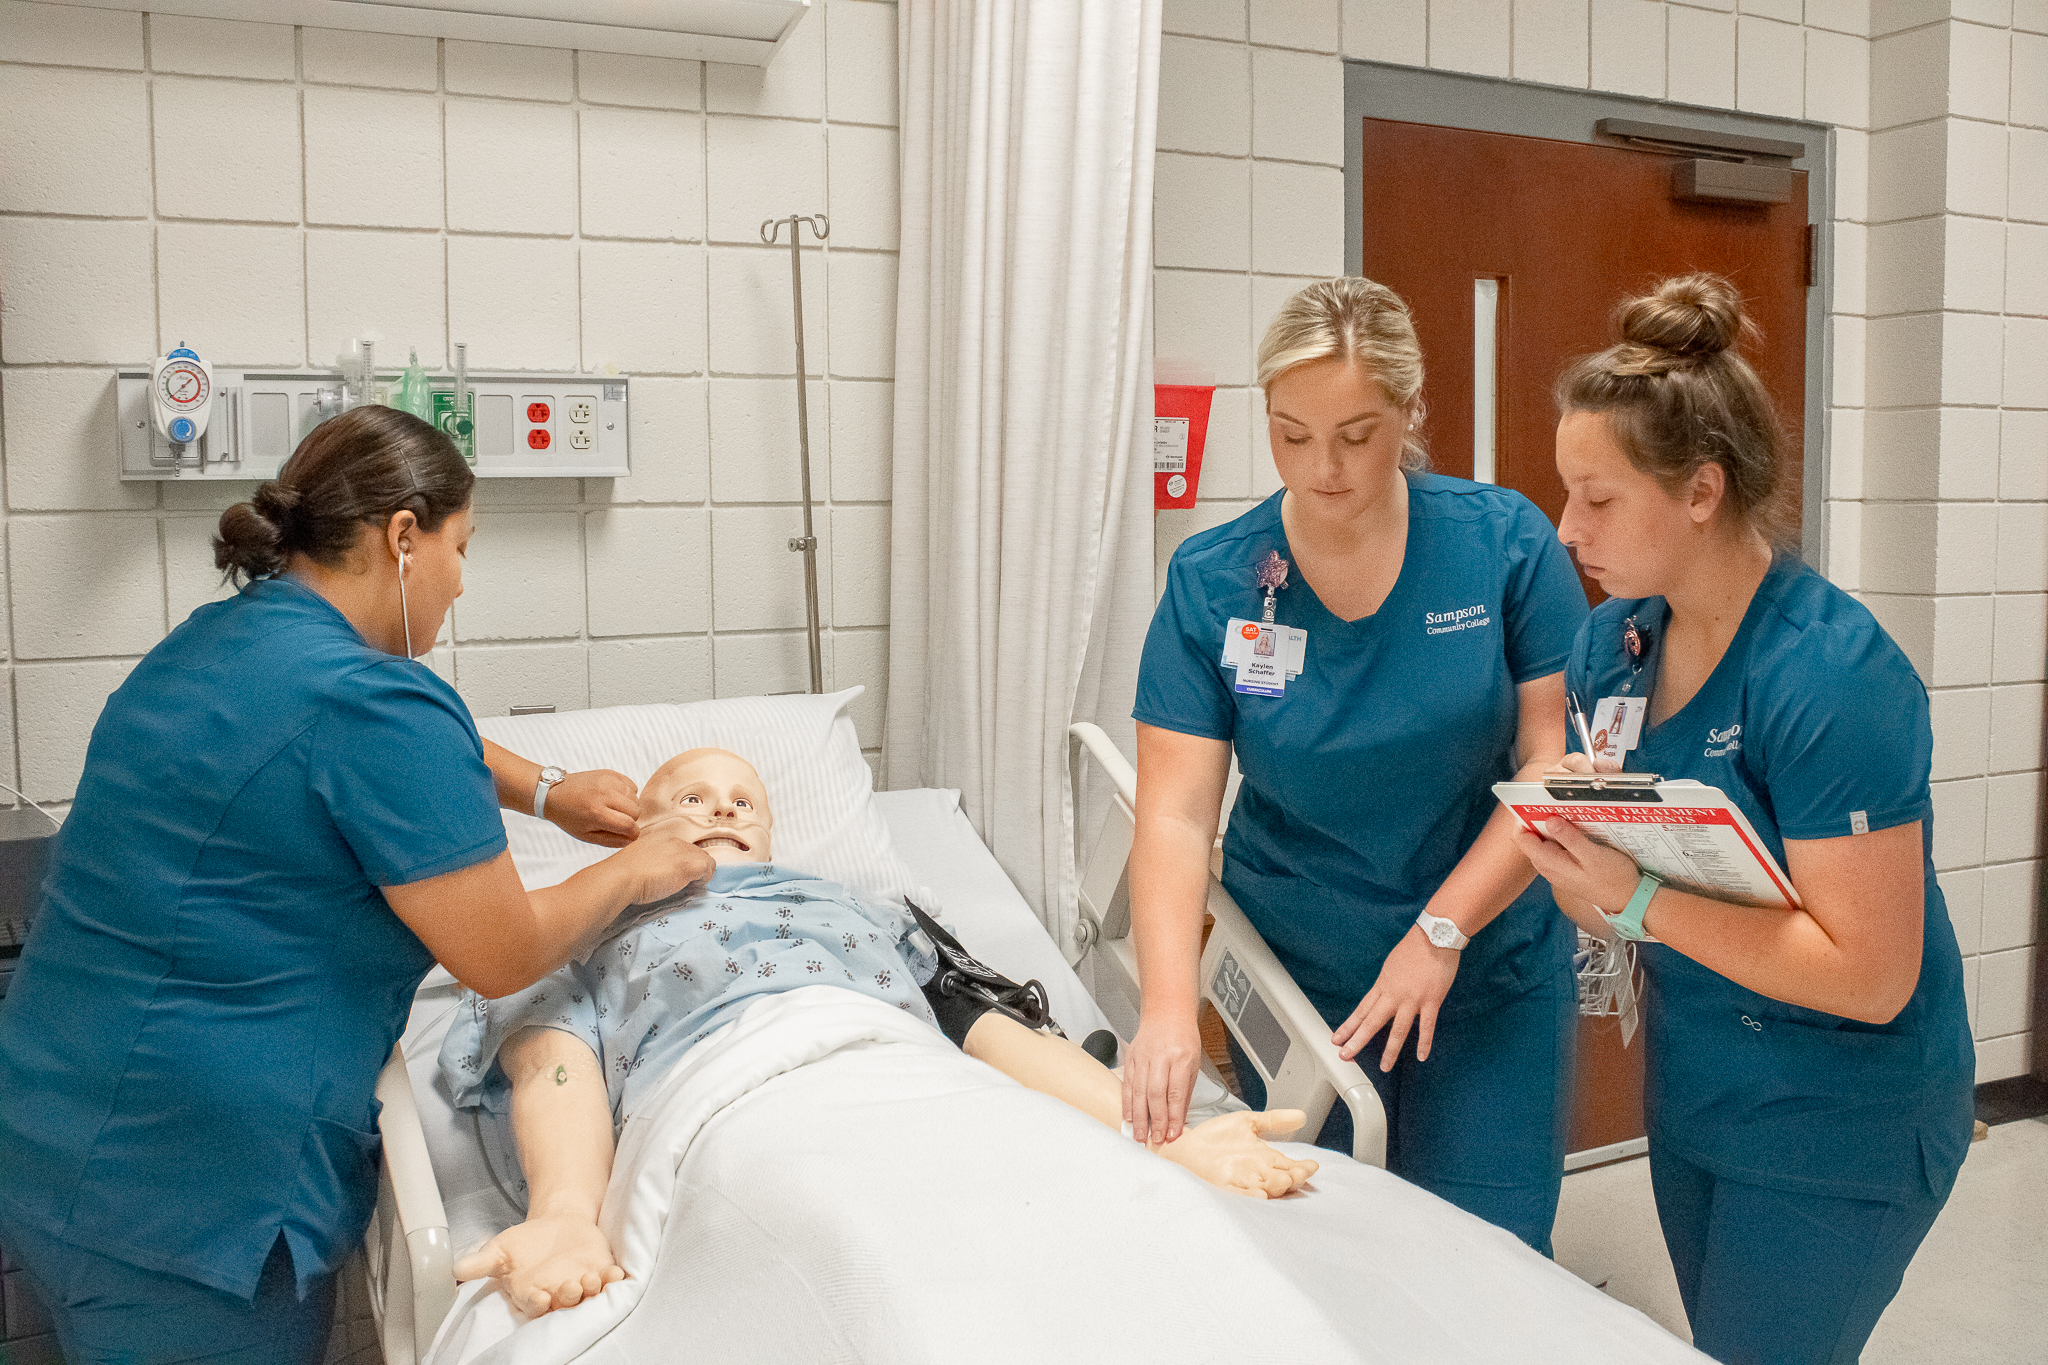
<point x="1440" y="931"/>
<point x="549" y="776"/>
<point x="1629" y="923"/>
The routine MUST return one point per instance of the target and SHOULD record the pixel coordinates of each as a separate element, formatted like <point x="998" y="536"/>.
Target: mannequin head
<point x="717" y="792"/>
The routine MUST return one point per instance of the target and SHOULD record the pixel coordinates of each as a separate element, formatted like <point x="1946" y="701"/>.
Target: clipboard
<point x="1686" y="832"/>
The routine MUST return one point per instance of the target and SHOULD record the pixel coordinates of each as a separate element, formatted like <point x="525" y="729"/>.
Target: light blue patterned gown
<point x="672" y="973"/>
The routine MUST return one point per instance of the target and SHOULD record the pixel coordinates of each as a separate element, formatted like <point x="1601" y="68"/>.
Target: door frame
<point x="1487" y="104"/>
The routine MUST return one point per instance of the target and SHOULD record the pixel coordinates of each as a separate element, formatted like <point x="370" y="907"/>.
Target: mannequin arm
<point x="562" y="1123"/>
<point x="1225" y="1151"/>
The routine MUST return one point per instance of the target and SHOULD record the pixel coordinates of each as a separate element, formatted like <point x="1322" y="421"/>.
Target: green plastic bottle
<point x="412" y="394"/>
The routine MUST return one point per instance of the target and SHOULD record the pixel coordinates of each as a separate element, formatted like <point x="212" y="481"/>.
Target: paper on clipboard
<point x="1689" y="834"/>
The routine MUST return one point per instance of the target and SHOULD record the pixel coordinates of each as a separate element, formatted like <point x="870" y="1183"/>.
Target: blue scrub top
<point x="1369" y="778"/>
<point x="214" y="979"/>
<point x="1812" y="718"/>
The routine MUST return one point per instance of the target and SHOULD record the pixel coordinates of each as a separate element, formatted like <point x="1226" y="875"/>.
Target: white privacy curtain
<point x="1021" y="548"/>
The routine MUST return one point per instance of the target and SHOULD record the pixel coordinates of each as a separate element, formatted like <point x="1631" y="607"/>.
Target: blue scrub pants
<point x="1772" y="1278"/>
<point x="111" y="1313"/>
<point x="1483" y="1122"/>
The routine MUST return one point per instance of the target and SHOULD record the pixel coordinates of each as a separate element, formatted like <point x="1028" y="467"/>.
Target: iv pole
<point x="808" y="542"/>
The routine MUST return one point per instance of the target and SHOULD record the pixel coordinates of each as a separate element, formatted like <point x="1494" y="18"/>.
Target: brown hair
<point x="1678" y="395"/>
<point x="360" y="468"/>
<point x="1354" y="319"/>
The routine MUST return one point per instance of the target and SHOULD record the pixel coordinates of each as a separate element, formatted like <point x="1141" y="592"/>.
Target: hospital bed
<point x="1310" y="1260"/>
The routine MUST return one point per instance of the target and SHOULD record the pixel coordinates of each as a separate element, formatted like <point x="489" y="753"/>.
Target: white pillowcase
<point x="819" y="787"/>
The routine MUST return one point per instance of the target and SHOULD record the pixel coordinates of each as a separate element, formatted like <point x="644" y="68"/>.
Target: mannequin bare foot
<point x="546" y="1263"/>
<point x="1230" y="1153"/>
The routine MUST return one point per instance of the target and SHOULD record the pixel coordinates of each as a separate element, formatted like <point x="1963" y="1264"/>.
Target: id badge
<point x="1266" y="656"/>
<point x="1617" y="726"/>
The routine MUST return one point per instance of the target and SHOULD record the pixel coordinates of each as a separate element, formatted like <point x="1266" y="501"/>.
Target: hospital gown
<point x="672" y="973"/>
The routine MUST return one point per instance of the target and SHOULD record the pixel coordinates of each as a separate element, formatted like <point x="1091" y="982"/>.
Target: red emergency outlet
<point x="538" y="412"/>
<point x="538" y="438"/>
<point x="1180" y="428"/>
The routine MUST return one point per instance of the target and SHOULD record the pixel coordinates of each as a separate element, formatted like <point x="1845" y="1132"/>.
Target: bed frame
<point x="1272" y="1020"/>
<point x="411" y="1259"/>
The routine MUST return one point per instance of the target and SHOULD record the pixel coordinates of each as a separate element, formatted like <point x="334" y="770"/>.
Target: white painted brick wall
<point x="1937" y="501"/>
<point x="550" y="209"/>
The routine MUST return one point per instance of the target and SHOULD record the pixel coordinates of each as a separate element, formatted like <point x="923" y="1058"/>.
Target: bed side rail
<point x="412" y="1268"/>
<point x="1272" y="1020"/>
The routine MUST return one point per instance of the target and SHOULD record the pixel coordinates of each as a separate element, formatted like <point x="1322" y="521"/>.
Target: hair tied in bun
<point x="276" y="503"/>
<point x="1687" y="319"/>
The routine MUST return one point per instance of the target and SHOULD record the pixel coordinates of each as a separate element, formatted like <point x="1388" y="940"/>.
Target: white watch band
<point x="549" y="776"/>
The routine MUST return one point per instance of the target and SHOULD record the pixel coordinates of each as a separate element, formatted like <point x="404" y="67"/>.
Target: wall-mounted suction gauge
<point x="181" y="395"/>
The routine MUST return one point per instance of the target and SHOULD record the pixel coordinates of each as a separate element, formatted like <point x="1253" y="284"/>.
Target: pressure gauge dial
<point x="184" y="384"/>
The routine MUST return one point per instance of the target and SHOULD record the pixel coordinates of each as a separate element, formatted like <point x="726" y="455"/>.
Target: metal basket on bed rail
<point x="1606" y="971"/>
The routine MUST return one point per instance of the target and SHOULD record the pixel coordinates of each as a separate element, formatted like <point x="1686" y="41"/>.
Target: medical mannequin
<point x="561" y="1111"/>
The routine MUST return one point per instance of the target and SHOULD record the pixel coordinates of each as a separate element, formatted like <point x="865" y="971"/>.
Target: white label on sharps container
<point x="1176" y="485"/>
<point x="1170" y="445"/>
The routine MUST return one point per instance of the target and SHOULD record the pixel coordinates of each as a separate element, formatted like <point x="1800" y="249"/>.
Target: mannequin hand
<point x="1159" y="1078"/>
<point x="597" y="806"/>
<point x="546" y="1263"/>
<point x="666" y="861"/>
<point x="1229" y="1153"/>
<point x="1410" y="990"/>
<point x="1579" y="870"/>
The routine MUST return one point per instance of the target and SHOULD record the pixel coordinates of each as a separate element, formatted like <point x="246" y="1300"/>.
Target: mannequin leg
<point x="1227" y="1151"/>
<point x="562" y="1124"/>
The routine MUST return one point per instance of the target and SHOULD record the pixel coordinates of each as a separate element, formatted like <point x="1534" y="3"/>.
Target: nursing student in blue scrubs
<point x="1809" y="1070"/>
<point x="283" y="821"/>
<point x="1365" y="844"/>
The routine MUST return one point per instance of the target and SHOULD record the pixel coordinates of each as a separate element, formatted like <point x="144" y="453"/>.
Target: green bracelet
<point x="1629" y="923"/>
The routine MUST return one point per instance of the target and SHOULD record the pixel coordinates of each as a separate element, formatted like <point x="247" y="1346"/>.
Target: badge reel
<point x="1266" y="656"/>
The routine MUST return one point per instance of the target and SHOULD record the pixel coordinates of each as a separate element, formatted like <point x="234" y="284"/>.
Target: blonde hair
<point x="1679" y="396"/>
<point x="1353" y="319"/>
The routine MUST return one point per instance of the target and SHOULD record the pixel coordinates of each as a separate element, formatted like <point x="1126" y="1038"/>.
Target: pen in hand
<point x="1578" y="716"/>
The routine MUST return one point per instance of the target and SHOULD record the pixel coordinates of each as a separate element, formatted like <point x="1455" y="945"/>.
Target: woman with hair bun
<point x="1809" y="1071"/>
<point x="282" y="823"/>
<point x="1378" y="645"/>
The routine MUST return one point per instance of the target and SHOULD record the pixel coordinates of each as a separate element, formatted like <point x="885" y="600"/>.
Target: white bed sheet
<point x="853" y="1248"/>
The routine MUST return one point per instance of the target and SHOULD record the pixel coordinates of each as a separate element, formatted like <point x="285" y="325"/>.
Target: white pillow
<point x="804" y="747"/>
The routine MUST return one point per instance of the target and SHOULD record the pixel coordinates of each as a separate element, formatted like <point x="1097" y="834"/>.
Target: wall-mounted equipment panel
<point x="530" y="426"/>
<point x="744" y="32"/>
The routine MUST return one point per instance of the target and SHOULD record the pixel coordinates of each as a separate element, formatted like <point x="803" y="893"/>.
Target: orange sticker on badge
<point x="1249" y="631"/>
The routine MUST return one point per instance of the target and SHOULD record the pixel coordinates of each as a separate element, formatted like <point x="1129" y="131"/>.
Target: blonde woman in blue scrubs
<point x="1809" y="1071"/>
<point x="1366" y="845"/>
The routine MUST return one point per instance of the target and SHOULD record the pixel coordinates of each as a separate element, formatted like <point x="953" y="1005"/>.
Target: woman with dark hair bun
<point x="1809" y="1070"/>
<point x="283" y="822"/>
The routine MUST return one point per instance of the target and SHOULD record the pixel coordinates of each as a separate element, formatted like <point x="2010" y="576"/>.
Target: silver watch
<point x="549" y="776"/>
<point x="1440" y="931"/>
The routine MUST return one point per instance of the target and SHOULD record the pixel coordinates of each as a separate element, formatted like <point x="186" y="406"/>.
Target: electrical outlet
<point x="579" y="437"/>
<point x="579" y="411"/>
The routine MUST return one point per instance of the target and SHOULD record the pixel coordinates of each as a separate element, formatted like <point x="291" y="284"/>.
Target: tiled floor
<point x="1973" y="1294"/>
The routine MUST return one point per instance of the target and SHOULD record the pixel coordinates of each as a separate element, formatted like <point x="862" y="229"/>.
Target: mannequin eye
<point x="692" y="800"/>
<point x="741" y="803"/>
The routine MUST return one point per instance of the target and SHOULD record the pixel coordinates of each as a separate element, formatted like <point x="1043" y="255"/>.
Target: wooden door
<point x="1566" y="231"/>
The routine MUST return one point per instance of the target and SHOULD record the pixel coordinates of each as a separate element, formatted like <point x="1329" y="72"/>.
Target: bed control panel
<point x="533" y="426"/>
<point x="1256" y="1026"/>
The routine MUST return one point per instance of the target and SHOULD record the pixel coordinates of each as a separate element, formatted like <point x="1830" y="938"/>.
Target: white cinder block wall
<point x="1938" y="421"/>
<point x="266" y="193"/>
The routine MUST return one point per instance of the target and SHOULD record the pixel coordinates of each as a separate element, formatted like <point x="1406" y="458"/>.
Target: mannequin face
<point x="1336" y="436"/>
<point x="720" y="797"/>
<point x="1632" y="535"/>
